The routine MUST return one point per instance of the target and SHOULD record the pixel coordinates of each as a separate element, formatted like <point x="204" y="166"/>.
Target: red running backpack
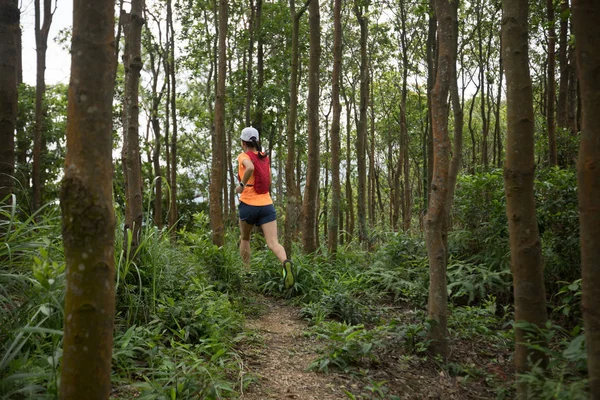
<point x="262" y="173"/>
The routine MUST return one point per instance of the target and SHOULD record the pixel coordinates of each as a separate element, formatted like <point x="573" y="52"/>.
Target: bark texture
<point x="216" y="182"/>
<point x="526" y="258"/>
<point x="88" y="222"/>
<point x="292" y="191"/>
<point x="173" y="210"/>
<point x="41" y="42"/>
<point x="311" y="191"/>
<point x="586" y="19"/>
<point x="563" y="66"/>
<point x="550" y="118"/>
<point x="132" y="61"/>
<point x="360" y="12"/>
<point x="9" y="32"/>
<point x="435" y="224"/>
<point x="405" y="140"/>
<point x="332" y="234"/>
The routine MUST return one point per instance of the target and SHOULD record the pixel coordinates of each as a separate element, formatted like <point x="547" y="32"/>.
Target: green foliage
<point x="174" y="335"/>
<point x="564" y="376"/>
<point x="481" y="322"/>
<point x="558" y="221"/>
<point x="348" y="345"/>
<point x="469" y="282"/>
<point x="479" y="216"/>
<point x="481" y="235"/>
<point x="568" y="299"/>
<point x="400" y="269"/>
<point x="31" y="302"/>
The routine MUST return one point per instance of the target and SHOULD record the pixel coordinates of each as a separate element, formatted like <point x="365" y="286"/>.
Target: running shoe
<point x="288" y="274"/>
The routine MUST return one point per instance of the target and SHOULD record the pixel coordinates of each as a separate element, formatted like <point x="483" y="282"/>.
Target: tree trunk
<point x="482" y="82"/>
<point x="216" y="184"/>
<point x="155" y="121"/>
<point x="311" y="191"/>
<point x="371" y="143"/>
<point x="563" y="66"/>
<point x="292" y="192"/>
<point x="349" y="195"/>
<point x="249" y="66"/>
<point x="9" y="32"/>
<point x="472" y="131"/>
<point x="586" y="17"/>
<point x="173" y="211"/>
<point x="41" y="41"/>
<point x="431" y="74"/>
<point x="435" y="224"/>
<point x="572" y="96"/>
<point x="526" y="258"/>
<point x="405" y="141"/>
<point x="332" y="234"/>
<point x="361" y="140"/>
<point x="552" y="157"/>
<point x="455" y="163"/>
<point x="497" y="131"/>
<point x="88" y="221"/>
<point x="260" y="68"/>
<point x="132" y="61"/>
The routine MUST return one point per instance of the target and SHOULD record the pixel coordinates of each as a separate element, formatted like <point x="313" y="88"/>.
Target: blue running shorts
<point x="257" y="215"/>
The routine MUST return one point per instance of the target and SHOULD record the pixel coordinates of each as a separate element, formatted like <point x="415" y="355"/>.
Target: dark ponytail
<point x="254" y="143"/>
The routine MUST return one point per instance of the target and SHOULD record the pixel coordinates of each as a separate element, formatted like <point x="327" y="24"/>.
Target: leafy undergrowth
<point x="181" y="309"/>
<point x="179" y="315"/>
<point x="368" y="309"/>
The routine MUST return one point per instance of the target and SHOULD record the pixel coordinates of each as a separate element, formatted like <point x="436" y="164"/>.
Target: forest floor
<point x="281" y="348"/>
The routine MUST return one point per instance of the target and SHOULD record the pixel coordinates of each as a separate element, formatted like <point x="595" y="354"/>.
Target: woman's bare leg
<point x="245" y="230"/>
<point x="270" y="231"/>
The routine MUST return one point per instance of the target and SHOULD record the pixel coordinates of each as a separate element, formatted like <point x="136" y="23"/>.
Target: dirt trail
<point x="280" y="361"/>
<point x="278" y="356"/>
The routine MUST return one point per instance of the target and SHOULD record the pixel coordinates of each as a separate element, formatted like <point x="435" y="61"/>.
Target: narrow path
<point x="279" y="361"/>
<point x="278" y="354"/>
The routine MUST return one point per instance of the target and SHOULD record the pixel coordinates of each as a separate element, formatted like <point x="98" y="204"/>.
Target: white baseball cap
<point x="249" y="133"/>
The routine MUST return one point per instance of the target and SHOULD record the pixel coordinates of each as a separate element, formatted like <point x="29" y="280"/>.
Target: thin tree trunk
<point x="497" y="131"/>
<point x="260" y="68"/>
<point x="174" y="213"/>
<point x="482" y="82"/>
<point x="41" y="41"/>
<point x="472" y="132"/>
<point x="361" y="140"/>
<point x="216" y="210"/>
<point x="552" y="157"/>
<point x="335" y="128"/>
<point x="349" y="195"/>
<point x="132" y="62"/>
<point x="526" y="258"/>
<point x="586" y="17"/>
<point x="563" y="66"/>
<point x="371" y="143"/>
<point x="404" y="126"/>
<point x="249" y="65"/>
<point x="9" y="32"/>
<point x="455" y="163"/>
<point x="326" y="188"/>
<point x="431" y="75"/>
<point x="572" y="96"/>
<point x="88" y="221"/>
<point x="311" y="191"/>
<point x="168" y="118"/>
<point x="155" y="121"/>
<point x="435" y="227"/>
<point x="292" y="190"/>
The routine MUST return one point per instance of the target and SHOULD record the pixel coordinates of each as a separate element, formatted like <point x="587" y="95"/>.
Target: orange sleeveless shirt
<point x="249" y="196"/>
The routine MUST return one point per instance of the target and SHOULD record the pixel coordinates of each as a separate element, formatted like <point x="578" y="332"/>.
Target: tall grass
<point x="174" y="333"/>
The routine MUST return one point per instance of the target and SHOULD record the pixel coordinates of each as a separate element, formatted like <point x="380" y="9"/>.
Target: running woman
<point x="257" y="208"/>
